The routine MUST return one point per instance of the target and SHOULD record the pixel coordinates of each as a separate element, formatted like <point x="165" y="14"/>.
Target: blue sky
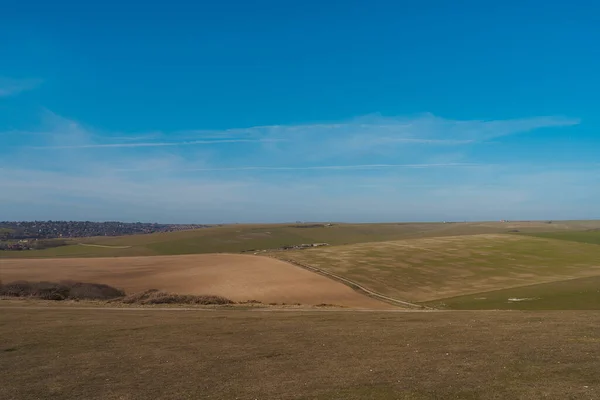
<point x="237" y="111"/>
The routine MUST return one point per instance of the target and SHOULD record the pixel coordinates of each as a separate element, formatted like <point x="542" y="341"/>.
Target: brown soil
<point x="237" y="277"/>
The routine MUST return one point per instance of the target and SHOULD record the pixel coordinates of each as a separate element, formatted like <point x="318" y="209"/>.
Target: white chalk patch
<point x="523" y="299"/>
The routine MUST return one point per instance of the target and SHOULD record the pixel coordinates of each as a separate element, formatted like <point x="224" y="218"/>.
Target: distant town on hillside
<point x="23" y="230"/>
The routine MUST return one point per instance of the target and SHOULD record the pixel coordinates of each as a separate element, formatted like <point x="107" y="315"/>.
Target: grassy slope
<point x="236" y="238"/>
<point x="429" y="269"/>
<point x="574" y="294"/>
<point x="143" y="354"/>
<point x="79" y="251"/>
<point x="592" y="236"/>
<point x="413" y="270"/>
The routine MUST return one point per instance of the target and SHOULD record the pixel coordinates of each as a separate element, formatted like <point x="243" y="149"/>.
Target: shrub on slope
<point x="154" y="296"/>
<point x="70" y="290"/>
<point x="64" y="290"/>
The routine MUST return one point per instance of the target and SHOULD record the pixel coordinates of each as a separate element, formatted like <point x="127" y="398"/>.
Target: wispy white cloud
<point x="474" y="196"/>
<point x="423" y="141"/>
<point x="373" y="135"/>
<point x="370" y="168"/>
<point x="156" y="144"/>
<point x="12" y="86"/>
<point x="337" y="167"/>
<point x="426" y="128"/>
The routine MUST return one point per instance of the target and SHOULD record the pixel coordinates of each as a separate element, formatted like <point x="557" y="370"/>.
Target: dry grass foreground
<point x="237" y="277"/>
<point x="153" y="354"/>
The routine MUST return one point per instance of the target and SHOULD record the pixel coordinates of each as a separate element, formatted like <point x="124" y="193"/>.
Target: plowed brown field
<point x="238" y="277"/>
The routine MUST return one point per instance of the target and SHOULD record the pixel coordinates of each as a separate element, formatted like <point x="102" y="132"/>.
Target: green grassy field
<point x="591" y="236"/>
<point x="422" y="270"/>
<point x="77" y="250"/>
<point x="148" y="354"/>
<point x="575" y="294"/>
<point x="237" y="238"/>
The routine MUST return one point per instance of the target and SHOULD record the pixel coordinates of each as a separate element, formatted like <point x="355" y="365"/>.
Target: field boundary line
<point x="352" y="284"/>
<point x="199" y="309"/>
<point x="104" y="246"/>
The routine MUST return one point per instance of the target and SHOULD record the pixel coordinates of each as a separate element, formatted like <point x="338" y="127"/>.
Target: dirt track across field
<point x="238" y="277"/>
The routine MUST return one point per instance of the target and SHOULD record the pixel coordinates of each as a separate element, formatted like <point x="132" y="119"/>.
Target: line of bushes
<point x="64" y="290"/>
<point x="154" y="296"/>
<point x="70" y="290"/>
